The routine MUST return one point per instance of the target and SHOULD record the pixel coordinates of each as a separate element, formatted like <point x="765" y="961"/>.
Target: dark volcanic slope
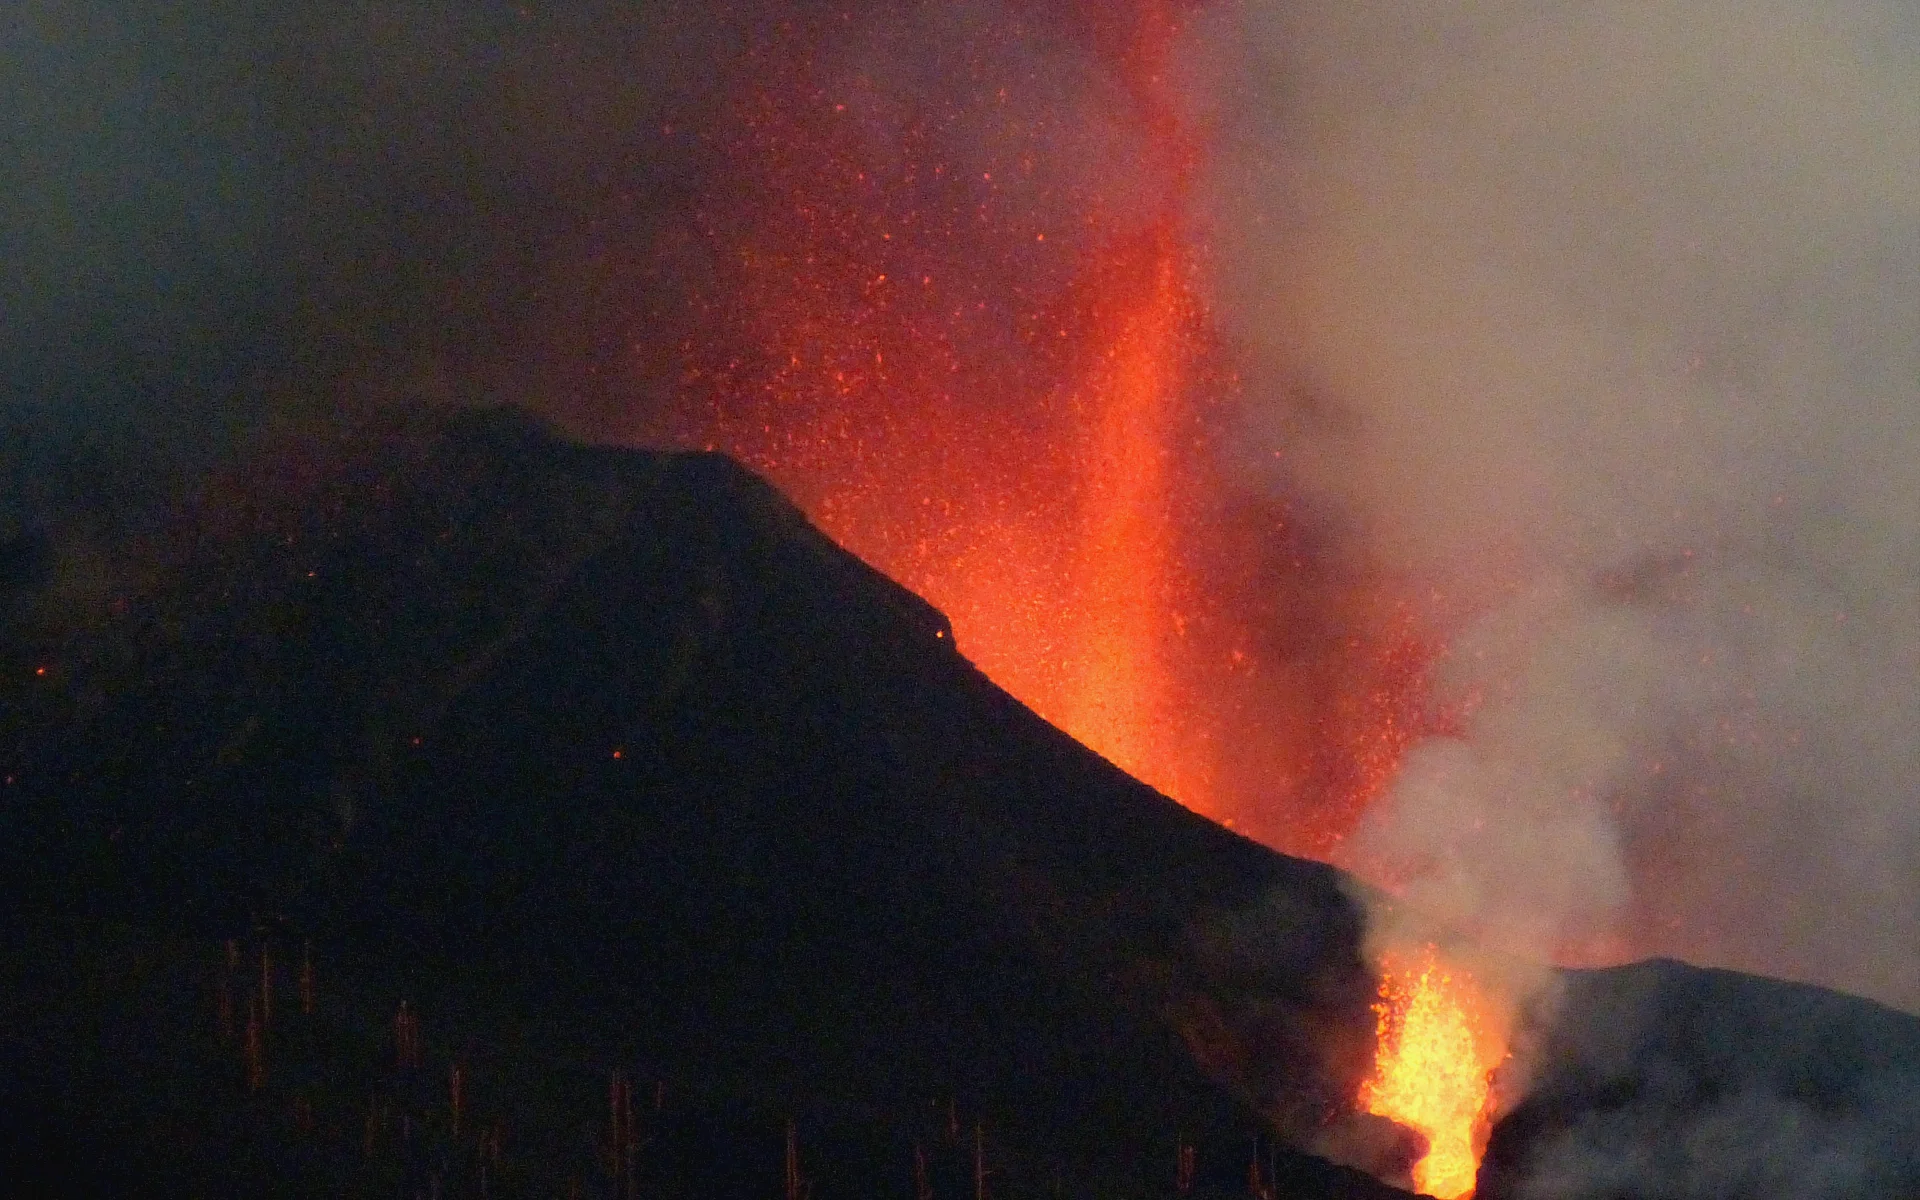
<point x="546" y="736"/>
<point x="1672" y="1081"/>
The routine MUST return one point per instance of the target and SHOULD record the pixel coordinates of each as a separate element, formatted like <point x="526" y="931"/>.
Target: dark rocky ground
<point x="606" y="762"/>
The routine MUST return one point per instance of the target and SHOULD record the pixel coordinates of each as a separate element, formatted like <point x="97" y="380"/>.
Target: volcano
<point x="611" y="748"/>
<point x="445" y="808"/>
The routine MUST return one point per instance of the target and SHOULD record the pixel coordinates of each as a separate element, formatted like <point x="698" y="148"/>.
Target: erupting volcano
<point x="983" y="364"/>
<point x="1012" y="596"/>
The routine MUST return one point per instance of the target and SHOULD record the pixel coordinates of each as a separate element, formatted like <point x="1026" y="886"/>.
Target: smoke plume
<point x="1599" y="326"/>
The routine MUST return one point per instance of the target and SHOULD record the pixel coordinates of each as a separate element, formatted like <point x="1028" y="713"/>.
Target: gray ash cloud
<point x="1600" y="325"/>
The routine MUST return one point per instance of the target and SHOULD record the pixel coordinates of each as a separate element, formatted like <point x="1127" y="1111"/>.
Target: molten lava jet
<point x="973" y="348"/>
<point x="976" y="368"/>
<point x="1434" y="1073"/>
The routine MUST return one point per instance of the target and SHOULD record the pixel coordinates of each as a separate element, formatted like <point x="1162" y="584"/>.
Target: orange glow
<point x="1435" y="1068"/>
<point x="1116" y="699"/>
<point x="1126" y="551"/>
<point x="985" y="367"/>
<point x="1031" y="490"/>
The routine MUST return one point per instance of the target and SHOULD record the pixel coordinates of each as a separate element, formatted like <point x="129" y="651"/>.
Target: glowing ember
<point x="1435" y="1069"/>
<point x="1127" y="535"/>
<point x="984" y="366"/>
<point x="983" y="386"/>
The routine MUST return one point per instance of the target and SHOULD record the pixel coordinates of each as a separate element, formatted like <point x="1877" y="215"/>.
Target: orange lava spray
<point x="1434" y="1071"/>
<point x="1126" y="550"/>
<point x="1000" y="384"/>
<point x="1118" y="699"/>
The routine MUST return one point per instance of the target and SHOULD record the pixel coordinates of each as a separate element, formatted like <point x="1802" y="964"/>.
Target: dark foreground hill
<point x="1662" y="1080"/>
<point x="607" y="761"/>
<point x="694" y="850"/>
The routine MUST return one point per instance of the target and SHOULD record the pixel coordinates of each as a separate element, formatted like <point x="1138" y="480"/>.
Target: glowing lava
<point x="971" y="344"/>
<point x="1435" y="1069"/>
<point x="973" y="366"/>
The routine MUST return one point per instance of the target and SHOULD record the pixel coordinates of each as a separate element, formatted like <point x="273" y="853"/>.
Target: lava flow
<point x="1434" y="1071"/>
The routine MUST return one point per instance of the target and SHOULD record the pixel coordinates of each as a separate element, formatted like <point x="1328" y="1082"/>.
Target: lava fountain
<point x="981" y="371"/>
<point x="1438" y="1050"/>
<point x="951" y="309"/>
<point x="1118" y="697"/>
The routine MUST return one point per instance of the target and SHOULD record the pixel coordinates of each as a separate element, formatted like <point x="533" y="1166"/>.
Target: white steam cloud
<point x="1599" y="324"/>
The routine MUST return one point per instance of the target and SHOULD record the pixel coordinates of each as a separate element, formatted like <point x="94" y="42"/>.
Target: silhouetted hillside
<point x="1661" y="1079"/>
<point x="540" y="736"/>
